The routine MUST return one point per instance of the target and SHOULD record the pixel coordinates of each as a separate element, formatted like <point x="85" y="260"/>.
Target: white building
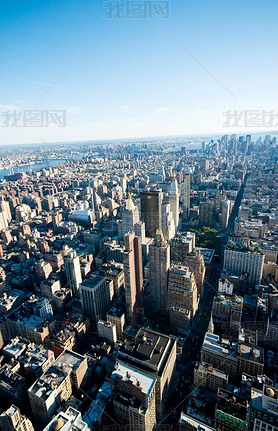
<point x="73" y="270"/>
<point x="239" y="260"/>
<point x="225" y="286"/>
<point x="174" y="201"/>
<point x="107" y="330"/>
<point x="70" y="420"/>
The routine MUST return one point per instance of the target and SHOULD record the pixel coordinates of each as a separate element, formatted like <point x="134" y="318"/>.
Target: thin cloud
<point x="160" y="111"/>
<point x="126" y="109"/>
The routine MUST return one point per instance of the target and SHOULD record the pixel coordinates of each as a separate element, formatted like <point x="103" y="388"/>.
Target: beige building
<point x="250" y="360"/>
<point x="55" y="385"/>
<point x="133" y="395"/>
<point x="220" y="353"/>
<point x="13" y="420"/>
<point x="195" y="262"/>
<point x="154" y="354"/>
<point x="207" y="377"/>
<point x="182" y="289"/>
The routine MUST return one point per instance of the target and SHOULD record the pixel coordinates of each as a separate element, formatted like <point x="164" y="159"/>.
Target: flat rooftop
<point x="193" y="424"/>
<point x="137" y="378"/>
<point x="150" y="349"/>
<point x="93" y="281"/>
<point x="55" y="375"/>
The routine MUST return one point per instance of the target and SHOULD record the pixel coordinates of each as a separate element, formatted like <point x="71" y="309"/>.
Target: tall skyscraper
<point x="186" y="196"/>
<point x="168" y="223"/>
<point x="133" y="269"/>
<point x="206" y="211"/>
<point x="151" y="201"/>
<point x="96" y="294"/>
<point x="130" y="216"/>
<point x="159" y="265"/>
<point x="174" y="201"/>
<point x="182" y="297"/>
<point x="225" y="212"/>
<point x="133" y="395"/>
<point x="73" y="270"/>
<point x="182" y="289"/>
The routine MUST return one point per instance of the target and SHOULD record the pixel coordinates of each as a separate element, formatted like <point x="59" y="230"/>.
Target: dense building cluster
<point x="139" y="286"/>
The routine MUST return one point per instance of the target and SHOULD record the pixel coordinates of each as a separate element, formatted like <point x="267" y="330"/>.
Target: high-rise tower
<point x="130" y="217"/>
<point x="174" y="201"/>
<point x="133" y="269"/>
<point x="158" y="269"/>
<point x="151" y="201"/>
<point x="186" y="196"/>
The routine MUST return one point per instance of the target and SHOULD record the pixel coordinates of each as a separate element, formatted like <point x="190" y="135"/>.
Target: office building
<point x="168" y="222"/>
<point x="114" y="272"/>
<point x="13" y="386"/>
<point x="186" y="196"/>
<point x="206" y="212"/>
<point x="225" y="286"/>
<point x="181" y="245"/>
<point x="187" y="423"/>
<point x="239" y="260"/>
<point x="133" y="394"/>
<point x="133" y="270"/>
<point x="130" y="216"/>
<point x="207" y="377"/>
<point x="73" y="270"/>
<point x="96" y="294"/>
<point x="250" y="360"/>
<point x="154" y="354"/>
<point x="220" y="353"/>
<point x="227" y="312"/>
<point x="182" y="289"/>
<point x="174" y="201"/>
<point x="25" y="323"/>
<point x="225" y="212"/>
<point x="159" y="264"/>
<point x="263" y="409"/>
<point x="195" y="262"/>
<point x="116" y="316"/>
<point x="151" y="201"/>
<point x="180" y="318"/>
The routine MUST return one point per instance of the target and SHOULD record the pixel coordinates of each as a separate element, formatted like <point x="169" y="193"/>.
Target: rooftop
<point x="150" y="349"/>
<point x="137" y="378"/>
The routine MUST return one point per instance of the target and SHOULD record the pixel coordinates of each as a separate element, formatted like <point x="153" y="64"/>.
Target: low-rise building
<point x="55" y="385"/>
<point x="210" y="378"/>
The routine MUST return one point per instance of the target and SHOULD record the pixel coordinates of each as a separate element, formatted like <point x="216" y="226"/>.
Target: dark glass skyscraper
<point x="151" y="201"/>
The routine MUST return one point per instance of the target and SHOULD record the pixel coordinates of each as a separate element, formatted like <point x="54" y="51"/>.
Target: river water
<point x="35" y="167"/>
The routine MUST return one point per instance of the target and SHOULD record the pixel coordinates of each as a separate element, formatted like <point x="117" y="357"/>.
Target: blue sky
<point x="135" y="77"/>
